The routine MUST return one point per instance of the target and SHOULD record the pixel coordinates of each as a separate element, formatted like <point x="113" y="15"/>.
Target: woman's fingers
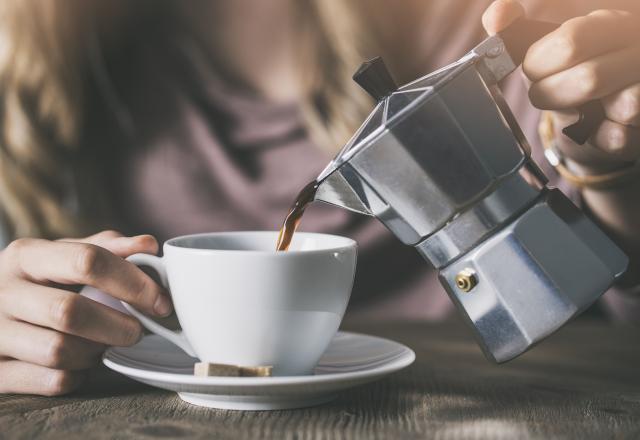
<point x="621" y="141"/>
<point x="593" y="79"/>
<point x="623" y="107"/>
<point x="612" y="146"/>
<point x="69" y="313"/>
<point x="79" y="263"/>
<point x="500" y="14"/>
<point x="581" y="39"/>
<point x="46" y="347"/>
<point x="25" y="378"/>
<point x="118" y="244"/>
<point x="125" y="246"/>
<point x="49" y="334"/>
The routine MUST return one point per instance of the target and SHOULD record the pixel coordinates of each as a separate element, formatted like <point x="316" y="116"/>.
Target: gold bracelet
<point x="609" y="180"/>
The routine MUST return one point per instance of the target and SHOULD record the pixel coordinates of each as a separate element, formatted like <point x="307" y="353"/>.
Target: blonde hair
<point x="43" y="73"/>
<point x="335" y="104"/>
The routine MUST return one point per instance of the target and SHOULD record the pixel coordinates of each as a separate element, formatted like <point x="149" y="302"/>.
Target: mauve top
<point x="202" y="155"/>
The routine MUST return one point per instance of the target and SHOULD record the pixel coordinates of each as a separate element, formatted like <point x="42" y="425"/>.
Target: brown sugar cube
<point x="263" y="371"/>
<point x="205" y="369"/>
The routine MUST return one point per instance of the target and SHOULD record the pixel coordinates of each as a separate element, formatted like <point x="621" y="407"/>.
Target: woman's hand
<point x="48" y="333"/>
<point x="594" y="57"/>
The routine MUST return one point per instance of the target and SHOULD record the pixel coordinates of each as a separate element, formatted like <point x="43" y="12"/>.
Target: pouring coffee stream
<point x="292" y="220"/>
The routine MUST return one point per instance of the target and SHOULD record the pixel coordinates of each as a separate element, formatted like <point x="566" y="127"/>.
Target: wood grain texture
<point x="583" y="383"/>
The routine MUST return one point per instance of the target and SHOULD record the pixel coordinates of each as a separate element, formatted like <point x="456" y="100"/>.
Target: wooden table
<point x="583" y="383"/>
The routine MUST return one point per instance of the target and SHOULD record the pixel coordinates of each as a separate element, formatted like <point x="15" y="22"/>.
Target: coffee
<point x="292" y="220"/>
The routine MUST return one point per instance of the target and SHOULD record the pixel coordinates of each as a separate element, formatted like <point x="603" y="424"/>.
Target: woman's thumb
<point x="500" y="14"/>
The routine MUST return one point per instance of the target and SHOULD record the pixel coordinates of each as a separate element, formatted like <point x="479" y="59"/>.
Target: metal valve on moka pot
<point x="443" y="164"/>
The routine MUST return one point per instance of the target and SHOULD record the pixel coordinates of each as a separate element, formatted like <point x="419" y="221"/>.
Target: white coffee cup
<point x="240" y="302"/>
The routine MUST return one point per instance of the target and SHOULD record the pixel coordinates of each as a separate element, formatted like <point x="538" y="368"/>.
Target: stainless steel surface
<point x="435" y="160"/>
<point x="465" y="231"/>
<point x="443" y="163"/>
<point x="343" y="188"/>
<point x="537" y="273"/>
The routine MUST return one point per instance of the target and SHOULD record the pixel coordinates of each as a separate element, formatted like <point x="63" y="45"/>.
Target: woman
<point x="166" y="118"/>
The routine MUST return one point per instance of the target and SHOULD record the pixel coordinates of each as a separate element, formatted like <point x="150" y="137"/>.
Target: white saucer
<point x="352" y="359"/>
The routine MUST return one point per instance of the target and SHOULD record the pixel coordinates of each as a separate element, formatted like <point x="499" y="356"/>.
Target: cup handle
<point x="176" y="338"/>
